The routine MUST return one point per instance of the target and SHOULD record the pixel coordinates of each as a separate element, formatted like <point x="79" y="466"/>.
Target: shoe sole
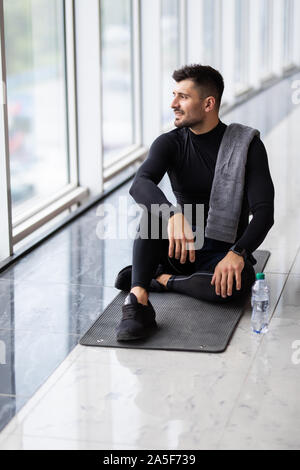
<point x="129" y="337"/>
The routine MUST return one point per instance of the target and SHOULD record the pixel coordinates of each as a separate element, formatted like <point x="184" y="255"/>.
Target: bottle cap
<point x="260" y="276"/>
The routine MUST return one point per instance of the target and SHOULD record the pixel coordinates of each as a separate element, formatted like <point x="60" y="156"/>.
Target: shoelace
<point x="130" y="311"/>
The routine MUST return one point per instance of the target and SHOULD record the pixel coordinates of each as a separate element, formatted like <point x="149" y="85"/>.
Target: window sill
<point x="289" y="69"/>
<point x="27" y="223"/>
<point x="122" y="164"/>
<point x="243" y="91"/>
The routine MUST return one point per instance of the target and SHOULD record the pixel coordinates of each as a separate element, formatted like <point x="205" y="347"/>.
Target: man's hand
<point x="181" y="238"/>
<point x="229" y="267"/>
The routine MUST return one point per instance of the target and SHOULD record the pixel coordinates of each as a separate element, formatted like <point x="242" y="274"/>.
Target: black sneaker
<point x="138" y="320"/>
<point x="123" y="280"/>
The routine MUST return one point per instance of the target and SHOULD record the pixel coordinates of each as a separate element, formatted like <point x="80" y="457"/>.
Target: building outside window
<point x="241" y="45"/>
<point x="117" y="77"/>
<point x="209" y="34"/>
<point x="266" y="25"/>
<point x="36" y="98"/>
<point x="169" y="55"/>
<point x="288" y="33"/>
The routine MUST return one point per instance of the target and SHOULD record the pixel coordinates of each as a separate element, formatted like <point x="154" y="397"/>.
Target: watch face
<point x="239" y="250"/>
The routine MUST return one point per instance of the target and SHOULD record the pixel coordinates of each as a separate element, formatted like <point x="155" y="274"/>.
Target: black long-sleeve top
<point x="190" y="160"/>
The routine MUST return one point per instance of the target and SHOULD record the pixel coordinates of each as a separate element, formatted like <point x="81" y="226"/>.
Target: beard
<point x="185" y="122"/>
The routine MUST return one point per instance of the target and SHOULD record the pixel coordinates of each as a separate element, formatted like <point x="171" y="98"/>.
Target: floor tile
<point x="296" y="267"/>
<point x="111" y="398"/>
<point x="278" y="352"/>
<point x="283" y="247"/>
<point x="51" y="307"/>
<point x="75" y="256"/>
<point x="27" y="404"/>
<point x="93" y="266"/>
<point x="9" y="406"/>
<point x="267" y="413"/>
<point x="289" y="304"/>
<point x="114" y="404"/>
<point x="30" y="358"/>
<point x="21" y="442"/>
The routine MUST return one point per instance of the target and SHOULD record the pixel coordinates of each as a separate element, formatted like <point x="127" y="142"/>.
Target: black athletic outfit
<point x="190" y="160"/>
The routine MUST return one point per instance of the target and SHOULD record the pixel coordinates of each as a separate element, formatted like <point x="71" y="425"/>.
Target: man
<point x="223" y="268"/>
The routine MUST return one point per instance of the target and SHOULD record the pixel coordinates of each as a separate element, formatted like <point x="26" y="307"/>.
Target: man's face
<point x="188" y="106"/>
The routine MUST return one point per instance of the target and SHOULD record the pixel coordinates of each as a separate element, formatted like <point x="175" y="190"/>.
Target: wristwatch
<point x="238" y="250"/>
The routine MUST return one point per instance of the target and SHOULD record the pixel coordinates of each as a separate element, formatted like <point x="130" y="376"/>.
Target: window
<point x="266" y="38"/>
<point x="241" y="45"/>
<point x="209" y="33"/>
<point x="170" y="55"/>
<point x="37" y="108"/>
<point x="288" y="33"/>
<point x="117" y="78"/>
<point x="97" y="123"/>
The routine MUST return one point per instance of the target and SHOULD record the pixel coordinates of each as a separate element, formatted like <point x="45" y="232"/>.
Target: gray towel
<point x="227" y="191"/>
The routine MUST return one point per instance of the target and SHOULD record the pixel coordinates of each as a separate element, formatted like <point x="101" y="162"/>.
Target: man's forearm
<point x="258" y="228"/>
<point x="146" y="193"/>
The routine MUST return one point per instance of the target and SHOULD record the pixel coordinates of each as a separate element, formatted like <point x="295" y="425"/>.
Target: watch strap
<point x="238" y="250"/>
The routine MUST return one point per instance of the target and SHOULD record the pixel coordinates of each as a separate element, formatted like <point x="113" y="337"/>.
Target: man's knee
<point x="247" y="280"/>
<point x="248" y="276"/>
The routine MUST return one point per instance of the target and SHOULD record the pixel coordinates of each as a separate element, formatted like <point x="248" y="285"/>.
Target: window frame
<point x="26" y="219"/>
<point x="288" y="60"/>
<point x="128" y="155"/>
<point x="296" y="34"/>
<point x="245" y="87"/>
<point x="6" y="243"/>
<point x="228" y="50"/>
<point x="166" y="126"/>
<point x="271" y="38"/>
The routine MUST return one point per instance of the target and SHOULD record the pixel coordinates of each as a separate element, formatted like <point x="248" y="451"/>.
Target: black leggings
<point x="150" y="256"/>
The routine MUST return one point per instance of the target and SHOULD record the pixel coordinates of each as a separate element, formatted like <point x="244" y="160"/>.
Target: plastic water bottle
<point x="260" y="302"/>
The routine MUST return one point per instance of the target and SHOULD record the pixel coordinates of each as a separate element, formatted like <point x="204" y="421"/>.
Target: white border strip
<point x="6" y="248"/>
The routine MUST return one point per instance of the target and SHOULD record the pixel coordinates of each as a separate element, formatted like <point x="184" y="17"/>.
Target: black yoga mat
<point x="184" y="323"/>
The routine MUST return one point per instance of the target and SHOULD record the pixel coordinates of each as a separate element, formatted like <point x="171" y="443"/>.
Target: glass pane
<point x="208" y="28"/>
<point x="288" y="32"/>
<point x="36" y="87"/>
<point x="117" y="77"/>
<point x="265" y="37"/>
<point x="170" y="55"/>
<point x="241" y="44"/>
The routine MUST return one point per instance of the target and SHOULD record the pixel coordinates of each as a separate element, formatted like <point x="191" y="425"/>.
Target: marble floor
<point x="57" y="394"/>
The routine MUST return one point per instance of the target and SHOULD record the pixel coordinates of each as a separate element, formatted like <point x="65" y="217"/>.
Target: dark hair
<point x="206" y="77"/>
